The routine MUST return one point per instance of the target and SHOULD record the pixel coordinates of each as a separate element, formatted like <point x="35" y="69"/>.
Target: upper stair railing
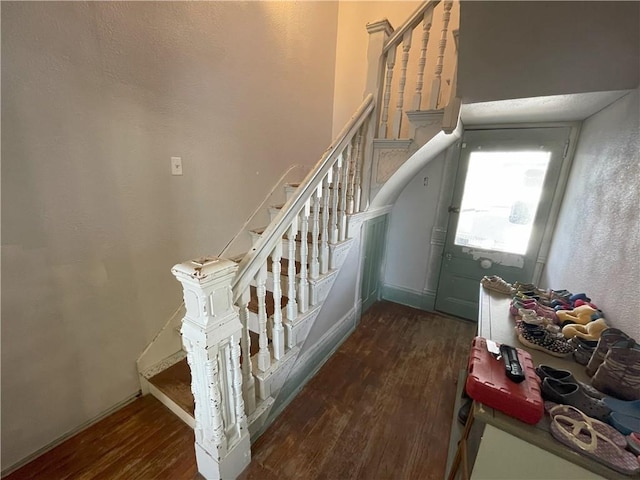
<point x="394" y="96"/>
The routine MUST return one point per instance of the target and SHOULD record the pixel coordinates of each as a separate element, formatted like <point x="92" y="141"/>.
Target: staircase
<point x="245" y="320"/>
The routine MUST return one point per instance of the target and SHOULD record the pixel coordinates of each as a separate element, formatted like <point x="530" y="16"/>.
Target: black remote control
<point x="512" y="366"/>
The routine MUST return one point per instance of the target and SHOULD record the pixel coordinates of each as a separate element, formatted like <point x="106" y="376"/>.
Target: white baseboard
<point x="411" y="298"/>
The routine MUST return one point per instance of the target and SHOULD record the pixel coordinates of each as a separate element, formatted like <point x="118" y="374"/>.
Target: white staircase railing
<point x="397" y="50"/>
<point x="219" y="295"/>
<point x="267" y="297"/>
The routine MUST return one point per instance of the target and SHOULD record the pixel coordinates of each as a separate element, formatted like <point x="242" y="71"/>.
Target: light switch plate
<point x="176" y="165"/>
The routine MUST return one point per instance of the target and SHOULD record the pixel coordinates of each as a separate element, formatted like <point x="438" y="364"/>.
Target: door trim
<point x="537" y="257"/>
<point x="558" y="194"/>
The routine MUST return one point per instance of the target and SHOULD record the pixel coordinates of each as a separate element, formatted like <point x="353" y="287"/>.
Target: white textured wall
<point x="351" y="50"/>
<point x="96" y="97"/>
<point x="529" y="49"/>
<point x="596" y="246"/>
<point x="409" y="234"/>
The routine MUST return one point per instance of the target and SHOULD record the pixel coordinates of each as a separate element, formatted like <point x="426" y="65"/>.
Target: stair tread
<point x="253" y="302"/>
<point x="175" y="383"/>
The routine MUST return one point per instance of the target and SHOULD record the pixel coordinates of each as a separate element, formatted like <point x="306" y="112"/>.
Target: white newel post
<point x="379" y="33"/>
<point x="211" y="332"/>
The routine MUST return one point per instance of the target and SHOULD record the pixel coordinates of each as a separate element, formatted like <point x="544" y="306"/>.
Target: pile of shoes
<point x="584" y="419"/>
<point x="537" y="323"/>
<point x="556" y="322"/>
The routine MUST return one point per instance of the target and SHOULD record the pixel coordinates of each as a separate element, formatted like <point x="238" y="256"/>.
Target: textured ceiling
<point x="554" y="108"/>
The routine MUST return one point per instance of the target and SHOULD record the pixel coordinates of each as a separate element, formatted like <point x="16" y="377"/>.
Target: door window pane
<point x="500" y="200"/>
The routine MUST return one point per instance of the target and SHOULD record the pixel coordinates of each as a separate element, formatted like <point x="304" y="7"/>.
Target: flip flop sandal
<point x="602" y="428"/>
<point x="582" y="437"/>
<point x="633" y="444"/>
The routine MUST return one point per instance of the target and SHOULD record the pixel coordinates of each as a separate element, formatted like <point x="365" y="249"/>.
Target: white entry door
<point x="502" y="198"/>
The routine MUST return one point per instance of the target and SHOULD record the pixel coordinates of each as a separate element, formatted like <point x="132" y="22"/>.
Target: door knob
<point x="485" y="263"/>
<point x="448" y="256"/>
<point x="452" y="209"/>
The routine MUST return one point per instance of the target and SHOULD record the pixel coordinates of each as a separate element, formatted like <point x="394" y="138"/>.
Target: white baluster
<point x="248" y="382"/>
<point x="236" y="383"/>
<point x="303" y="284"/>
<point x="333" y="226"/>
<point x="324" y="240"/>
<point x="315" y="234"/>
<point x="406" y="46"/>
<point x="213" y="381"/>
<point x="292" y="305"/>
<point x="437" y="81"/>
<point x="264" y="357"/>
<point x="344" y="186"/>
<point x="391" y="61"/>
<point x="277" y="333"/>
<point x="352" y="175"/>
<point x="426" y="28"/>
<point x="357" y="181"/>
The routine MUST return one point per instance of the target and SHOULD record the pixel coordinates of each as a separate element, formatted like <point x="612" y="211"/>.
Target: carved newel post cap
<point x="380" y="26"/>
<point x="204" y="268"/>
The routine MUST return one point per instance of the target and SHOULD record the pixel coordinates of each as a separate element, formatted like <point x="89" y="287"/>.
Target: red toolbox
<point x="488" y="384"/>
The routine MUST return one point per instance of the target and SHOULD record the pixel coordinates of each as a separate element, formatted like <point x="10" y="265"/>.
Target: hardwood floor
<point x="143" y="440"/>
<point x="380" y="408"/>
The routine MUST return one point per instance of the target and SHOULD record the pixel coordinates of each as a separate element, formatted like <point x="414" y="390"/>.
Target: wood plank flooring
<point x="380" y="408"/>
<point x="143" y="440"/>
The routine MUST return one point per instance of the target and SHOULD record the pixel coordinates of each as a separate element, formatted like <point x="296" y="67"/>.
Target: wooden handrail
<point x="257" y="256"/>
<point x="410" y="24"/>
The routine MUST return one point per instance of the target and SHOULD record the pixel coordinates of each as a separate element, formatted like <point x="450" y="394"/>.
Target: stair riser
<point x="320" y="288"/>
<point x="254" y="326"/>
<point x="289" y="191"/>
<point x="338" y="254"/>
<point x="269" y="383"/>
<point x="298" y="329"/>
<point x="259" y="416"/>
